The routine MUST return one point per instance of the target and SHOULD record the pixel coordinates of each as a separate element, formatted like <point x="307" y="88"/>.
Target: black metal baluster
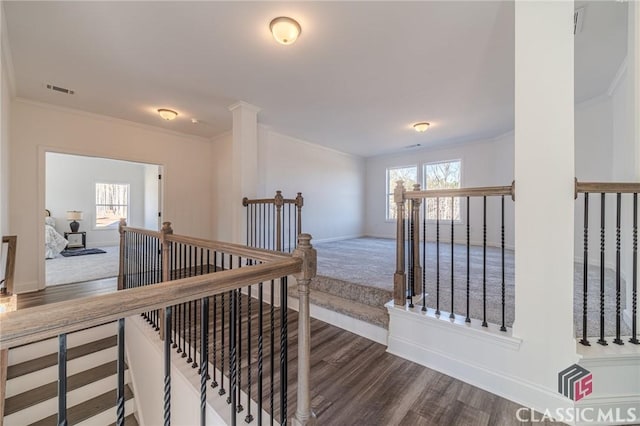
<point x="410" y="287"/>
<point x="120" y="375"/>
<point x="503" y="326"/>
<point x="249" y="417"/>
<point x="437" y="255"/>
<point x="468" y="319"/>
<point x="232" y="354"/>
<point x="222" y="304"/>
<point x="188" y="331"/>
<point x="634" y="285"/>
<point x="283" y="350"/>
<point x="239" y="407"/>
<point x="618" y="340"/>
<point x="260" y="350"/>
<point x="204" y="356"/>
<point x="484" y="261"/>
<point x="452" y="315"/>
<point x="424" y="256"/>
<point x="214" y="314"/>
<point x="195" y="338"/>
<point x="271" y="348"/>
<point x="232" y="347"/>
<point x="167" y="370"/>
<point x="602" y="340"/>
<point x="585" y="271"/>
<point x="62" y="380"/>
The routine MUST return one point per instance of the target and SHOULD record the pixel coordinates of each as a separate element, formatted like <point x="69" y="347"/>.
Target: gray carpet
<point x="362" y="269"/>
<point x="65" y="270"/>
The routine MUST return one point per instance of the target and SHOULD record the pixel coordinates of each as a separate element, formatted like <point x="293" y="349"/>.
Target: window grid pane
<point x="111" y="204"/>
<point x="409" y="175"/>
<point x="444" y="175"/>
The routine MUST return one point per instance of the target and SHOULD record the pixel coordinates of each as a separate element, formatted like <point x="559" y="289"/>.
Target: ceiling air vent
<point x="417" y="145"/>
<point x="578" y="19"/>
<point x="60" y="89"/>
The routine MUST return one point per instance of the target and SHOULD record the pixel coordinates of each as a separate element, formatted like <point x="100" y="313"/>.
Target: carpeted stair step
<point x="376" y="315"/>
<point x="101" y="404"/>
<point x="372" y="296"/>
<point x="49" y="391"/>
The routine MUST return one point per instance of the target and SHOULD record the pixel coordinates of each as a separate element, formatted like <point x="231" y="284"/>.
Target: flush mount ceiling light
<point x="421" y="127"/>
<point x="285" y="30"/>
<point x="167" y="114"/>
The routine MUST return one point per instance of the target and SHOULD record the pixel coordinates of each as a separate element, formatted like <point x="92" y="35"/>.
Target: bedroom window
<point x="112" y="203"/>
<point x="409" y="175"/>
<point x="443" y="175"/>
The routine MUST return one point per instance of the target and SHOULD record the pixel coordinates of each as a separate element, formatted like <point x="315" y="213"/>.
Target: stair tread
<point x="88" y="409"/>
<point x="376" y="315"/>
<point x="130" y="420"/>
<point x="49" y="360"/>
<point x="50" y="390"/>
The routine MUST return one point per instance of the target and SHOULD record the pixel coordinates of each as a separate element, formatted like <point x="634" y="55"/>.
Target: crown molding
<point x="107" y="118"/>
<point x="244" y="105"/>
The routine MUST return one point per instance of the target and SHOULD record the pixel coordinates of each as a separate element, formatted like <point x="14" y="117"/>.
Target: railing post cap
<point x="122" y="224"/>
<point x="166" y="228"/>
<point x="307" y="253"/>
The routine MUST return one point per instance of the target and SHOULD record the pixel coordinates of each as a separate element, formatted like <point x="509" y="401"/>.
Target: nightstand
<point x="76" y="239"/>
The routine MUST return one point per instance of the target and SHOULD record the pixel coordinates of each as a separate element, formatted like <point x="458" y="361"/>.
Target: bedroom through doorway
<point x="85" y="197"/>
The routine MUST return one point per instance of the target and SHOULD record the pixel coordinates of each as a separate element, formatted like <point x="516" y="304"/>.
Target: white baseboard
<point x="345" y="322"/>
<point x="332" y="239"/>
<point x="25" y="287"/>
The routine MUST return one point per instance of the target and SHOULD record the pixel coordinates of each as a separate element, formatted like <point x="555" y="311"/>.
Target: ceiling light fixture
<point x="285" y="30"/>
<point x="167" y="114"/>
<point x="421" y="127"/>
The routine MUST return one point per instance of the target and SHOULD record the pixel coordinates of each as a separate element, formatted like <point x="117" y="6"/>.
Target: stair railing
<point x="7" y="304"/>
<point x="416" y="211"/>
<point x="274" y="223"/>
<point x="176" y="290"/>
<point x="626" y="238"/>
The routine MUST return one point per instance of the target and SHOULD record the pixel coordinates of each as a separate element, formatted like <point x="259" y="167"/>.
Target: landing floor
<point x="356" y="382"/>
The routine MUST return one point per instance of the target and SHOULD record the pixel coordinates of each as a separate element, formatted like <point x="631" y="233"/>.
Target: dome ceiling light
<point x="285" y="30"/>
<point x="167" y="114"/>
<point x="421" y="127"/>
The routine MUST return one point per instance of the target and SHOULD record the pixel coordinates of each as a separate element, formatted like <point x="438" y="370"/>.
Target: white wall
<point x="70" y="185"/>
<point x="5" y="113"/>
<point x="221" y="184"/>
<point x="38" y="128"/>
<point x="331" y="182"/>
<point x="484" y="163"/>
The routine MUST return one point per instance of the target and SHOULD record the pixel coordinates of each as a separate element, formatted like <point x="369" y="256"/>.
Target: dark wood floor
<point x="355" y="381"/>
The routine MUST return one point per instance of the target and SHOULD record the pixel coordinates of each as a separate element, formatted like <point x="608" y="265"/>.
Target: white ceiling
<point x="359" y="75"/>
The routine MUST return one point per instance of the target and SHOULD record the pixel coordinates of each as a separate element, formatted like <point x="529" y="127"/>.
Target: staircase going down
<point x="32" y="375"/>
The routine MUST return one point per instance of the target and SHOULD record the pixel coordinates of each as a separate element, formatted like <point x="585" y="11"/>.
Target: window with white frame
<point x="407" y="174"/>
<point x="112" y="203"/>
<point x="443" y="175"/>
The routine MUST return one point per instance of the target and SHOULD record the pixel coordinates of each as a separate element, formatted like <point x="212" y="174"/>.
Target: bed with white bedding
<point x="54" y="243"/>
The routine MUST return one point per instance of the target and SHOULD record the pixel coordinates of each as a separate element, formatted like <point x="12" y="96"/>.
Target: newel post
<point x="307" y="253"/>
<point x="165" y="262"/>
<point x="399" y="278"/>
<point x="121" y="226"/>
<point x="415" y="236"/>
<point x="278" y="201"/>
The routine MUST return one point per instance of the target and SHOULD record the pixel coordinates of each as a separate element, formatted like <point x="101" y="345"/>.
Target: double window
<point x="439" y="175"/>
<point x="112" y="203"/>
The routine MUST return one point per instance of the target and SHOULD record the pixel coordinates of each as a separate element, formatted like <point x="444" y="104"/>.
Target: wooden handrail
<point x="230" y="248"/>
<point x="463" y="192"/>
<point x="147" y="232"/>
<point x="37" y="323"/>
<point x="277" y="200"/>
<point x="607" y="187"/>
